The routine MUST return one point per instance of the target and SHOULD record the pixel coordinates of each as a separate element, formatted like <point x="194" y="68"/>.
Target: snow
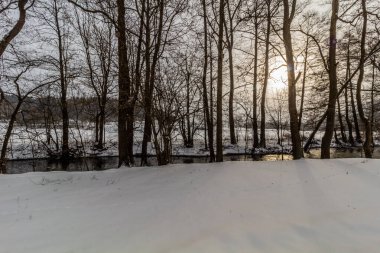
<point x="288" y="206"/>
<point x="28" y="144"/>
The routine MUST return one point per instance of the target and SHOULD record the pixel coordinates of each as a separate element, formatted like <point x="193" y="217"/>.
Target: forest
<point x="146" y="77"/>
<point x="182" y="126"/>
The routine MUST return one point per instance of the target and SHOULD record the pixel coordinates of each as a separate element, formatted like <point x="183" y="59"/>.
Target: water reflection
<point x="46" y="165"/>
<point x="343" y="153"/>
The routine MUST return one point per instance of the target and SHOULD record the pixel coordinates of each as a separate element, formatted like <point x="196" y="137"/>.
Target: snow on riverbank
<point x="291" y="206"/>
<point x="30" y="144"/>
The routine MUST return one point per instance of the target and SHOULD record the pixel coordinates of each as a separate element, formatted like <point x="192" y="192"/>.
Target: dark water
<point x="104" y="163"/>
<point x="45" y="165"/>
<point x="344" y="153"/>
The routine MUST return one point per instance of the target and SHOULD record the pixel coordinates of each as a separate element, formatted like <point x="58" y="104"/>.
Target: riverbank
<point x="31" y="144"/>
<point x="99" y="163"/>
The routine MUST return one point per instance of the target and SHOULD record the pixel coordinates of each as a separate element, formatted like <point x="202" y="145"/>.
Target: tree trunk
<point x="373" y="108"/>
<point x="292" y="99"/>
<point x="65" y="154"/>
<point x="189" y="143"/>
<point x="124" y="123"/>
<point x="266" y="75"/>
<point x="347" y="115"/>
<point x="97" y="123"/>
<point x="303" y="82"/>
<point x="204" y="86"/>
<point x="312" y="135"/>
<point x="7" y="136"/>
<point x="212" y="105"/>
<point x="333" y="87"/>
<point x="348" y="121"/>
<point x="342" y="128"/>
<point x="337" y="141"/>
<point x="219" y="100"/>
<point x="16" y="28"/>
<point x="231" y="119"/>
<point x="358" y="136"/>
<point x="147" y="96"/>
<point x="149" y="85"/>
<point x="367" y="145"/>
<point x="352" y="99"/>
<point x="134" y="91"/>
<point x="255" y="73"/>
<point x="102" y="120"/>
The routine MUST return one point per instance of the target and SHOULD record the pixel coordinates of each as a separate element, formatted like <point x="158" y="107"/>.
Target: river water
<point x="104" y="163"/>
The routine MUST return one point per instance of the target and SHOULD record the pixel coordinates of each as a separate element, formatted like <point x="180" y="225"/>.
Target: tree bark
<point x="367" y="145"/>
<point x="137" y="84"/>
<point x="231" y="119"/>
<point x="212" y="104"/>
<point x="219" y="100"/>
<point x="347" y="115"/>
<point x="341" y="124"/>
<point x="373" y="106"/>
<point x="16" y="28"/>
<point x="312" y="135"/>
<point x="189" y="142"/>
<point x="351" y="88"/>
<point x="147" y="96"/>
<point x="255" y="73"/>
<point x="65" y="153"/>
<point x="358" y="135"/>
<point x="266" y="75"/>
<point x="151" y="75"/>
<point x="204" y="85"/>
<point x="230" y="44"/>
<point x="124" y="123"/>
<point x="333" y="87"/>
<point x="292" y="99"/>
<point x="7" y="136"/>
<point x="303" y="83"/>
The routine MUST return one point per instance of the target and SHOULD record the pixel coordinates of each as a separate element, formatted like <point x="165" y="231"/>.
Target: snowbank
<point x="291" y="206"/>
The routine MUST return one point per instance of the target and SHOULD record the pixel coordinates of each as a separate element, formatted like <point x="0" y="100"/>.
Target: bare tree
<point x="367" y="145"/>
<point x="22" y="9"/>
<point x="277" y="117"/>
<point x="346" y="100"/>
<point x="16" y="29"/>
<point x="166" y="111"/>
<point x="233" y="8"/>
<point x="209" y="124"/>
<point x="289" y="13"/>
<point x="99" y="51"/>
<point x="53" y="15"/>
<point x="219" y="97"/>
<point x="271" y="11"/>
<point x="125" y="126"/>
<point x="127" y="94"/>
<point x="188" y="126"/>
<point x="158" y="24"/>
<point x="22" y="90"/>
<point x="333" y="87"/>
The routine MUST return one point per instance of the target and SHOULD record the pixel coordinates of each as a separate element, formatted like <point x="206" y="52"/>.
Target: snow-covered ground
<point x="291" y="206"/>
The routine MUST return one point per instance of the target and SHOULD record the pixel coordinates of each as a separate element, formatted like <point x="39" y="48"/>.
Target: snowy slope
<point x="291" y="206"/>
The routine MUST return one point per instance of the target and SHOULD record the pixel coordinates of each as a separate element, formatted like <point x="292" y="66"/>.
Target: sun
<point x="278" y="77"/>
